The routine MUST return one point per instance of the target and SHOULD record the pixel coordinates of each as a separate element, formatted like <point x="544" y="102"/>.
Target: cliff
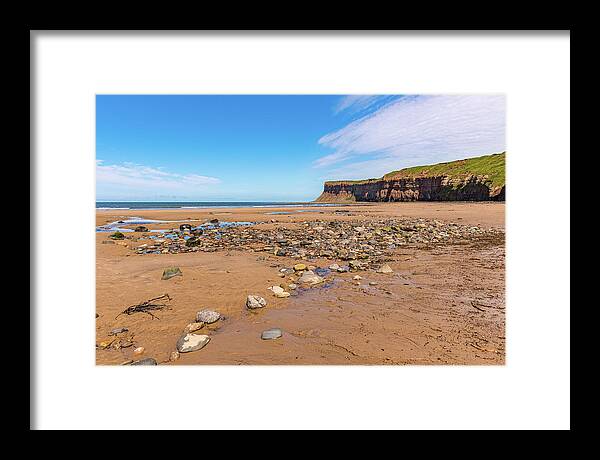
<point x="473" y="179"/>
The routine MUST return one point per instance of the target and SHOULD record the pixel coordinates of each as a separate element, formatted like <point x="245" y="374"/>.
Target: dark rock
<point x="144" y="362"/>
<point x="170" y="272"/>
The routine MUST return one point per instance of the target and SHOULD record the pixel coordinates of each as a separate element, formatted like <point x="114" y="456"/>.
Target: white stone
<point x="192" y="342"/>
<point x="207" y="316"/>
<point x="385" y="269"/>
<point x="253" y="302"/>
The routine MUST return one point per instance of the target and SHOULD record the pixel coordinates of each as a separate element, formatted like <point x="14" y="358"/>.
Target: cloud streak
<point x="134" y="179"/>
<point x="414" y="130"/>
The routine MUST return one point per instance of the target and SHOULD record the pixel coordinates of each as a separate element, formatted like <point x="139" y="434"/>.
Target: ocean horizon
<point x="199" y="204"/>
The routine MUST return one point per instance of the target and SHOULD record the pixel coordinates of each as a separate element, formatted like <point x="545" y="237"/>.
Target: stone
<point x="308" y="277"/>
<point x="355" y="265"/>
<point x="373" y="283"/>
<point x="118" y="330"/>
<point x="174" y="356"/>
<point x="292" y="286"/>
<point x="170" y="272"/>
<point x="184" y="227"/>
<point x="192" y="242"/>
<point x="385" y="268"/>
<point x="141" y="228"/>
<point x="299" y="267"/>
<point x="357" y="277"/>
<point x="145" y="362"/>
<point x="253" y="302"/>
<point x="192" y="342"/>
<point x="207" y="316"/>
<point x="271" y="334"/>
<point x="139" y="351"/>
<point x="193" y="327"/>
<point x="334" y="267"/>
<point x="117" y="236"/>
<point x="278" y="291"/>
<point x="214" y="221"/>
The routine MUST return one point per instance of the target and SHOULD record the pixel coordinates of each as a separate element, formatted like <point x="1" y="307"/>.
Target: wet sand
<point x="442" y="305"/>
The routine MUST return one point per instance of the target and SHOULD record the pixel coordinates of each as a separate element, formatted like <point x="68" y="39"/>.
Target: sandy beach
<point x="444" y="303"/>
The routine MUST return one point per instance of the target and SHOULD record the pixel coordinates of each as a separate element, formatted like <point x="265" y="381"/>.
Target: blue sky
<point x="279" y="148"/>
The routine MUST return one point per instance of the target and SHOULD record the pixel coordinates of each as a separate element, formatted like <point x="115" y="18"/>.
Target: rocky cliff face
<point x="433" y="188"/>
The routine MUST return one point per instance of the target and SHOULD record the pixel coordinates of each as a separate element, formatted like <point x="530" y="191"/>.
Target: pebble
<point x="118" y="331"/>
<point x="145" y="362"/>
<point x="278" y="291"/>
<point x="292" y="286"/>
<point x="207" y="316"/>
<point x="193" y="327"/>
<point x="139" y="350"/>
<point x="373" y="283"/>
<point x="385" y="268"/>
<point x="253" y="302"/>
<point x="357" y="277"/>
<point x="299" y="267"/>
<point x="192" y="342"/>
<point x="170" y="272"/>
<point x="174" y="356"/>
<point x="271" y="334"/>
<point x="334" y="267"/>
<point x="308" y="277"/>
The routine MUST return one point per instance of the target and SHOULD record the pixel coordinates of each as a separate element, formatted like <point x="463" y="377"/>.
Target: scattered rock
<point x="355" y="265"/>
<point x="141" y="228"/>
<point x="373" y="283"/>
<point x="117" y="236"/>
<point x="170" y="272"/>
<point x="334" y="267"/>
<point x="184" y="227"/>
<point x="357" y="277"/>
<point x="139" y="351"/>
<point x="174" y="356"/>
<point x="271" y="334"/>
<point x="145" y="362"/>
<point x="299" y="267"/>
<point x="253" y="302"/>
<point x="207" y="316"/>
<point x="193" y="327"/>
<point x="214" y="221"/>
<point x="292" y="286"/>
<point x="192" y="342"/>
<point x="278" y="291"/>
<point x="385" y="268"/>
<point x="119" y="330"/>
<point x="308" y="277"/>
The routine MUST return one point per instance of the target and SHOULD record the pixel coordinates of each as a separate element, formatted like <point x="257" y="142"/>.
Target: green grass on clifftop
<point x="492" y="166"/>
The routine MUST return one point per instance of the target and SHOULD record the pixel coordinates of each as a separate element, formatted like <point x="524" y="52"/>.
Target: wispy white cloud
<point x="414" y="130"/>
<point x="134" y="179"/>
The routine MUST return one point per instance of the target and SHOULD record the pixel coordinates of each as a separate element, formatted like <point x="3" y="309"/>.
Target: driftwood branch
<point x="147" y="307"/>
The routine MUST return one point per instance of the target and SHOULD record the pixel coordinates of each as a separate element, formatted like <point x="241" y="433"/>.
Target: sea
<point x="200" y="204"/>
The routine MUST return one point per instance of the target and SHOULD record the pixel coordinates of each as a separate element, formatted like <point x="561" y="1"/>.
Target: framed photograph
<point x="282" y="222"/>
